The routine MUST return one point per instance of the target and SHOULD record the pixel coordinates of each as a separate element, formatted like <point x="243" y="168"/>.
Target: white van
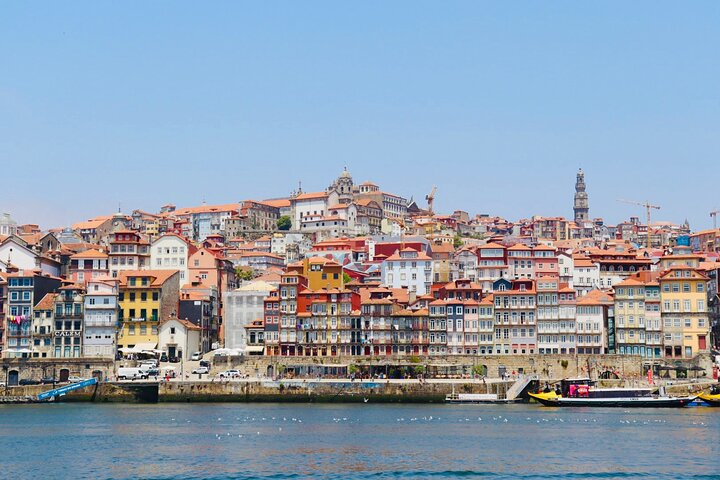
<point x="131" y="373"/>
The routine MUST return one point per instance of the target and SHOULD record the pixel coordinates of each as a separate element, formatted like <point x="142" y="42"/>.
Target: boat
<point x="469" y="398"/>
<point x="582" y="393"/>
<point x="712" y="399"/>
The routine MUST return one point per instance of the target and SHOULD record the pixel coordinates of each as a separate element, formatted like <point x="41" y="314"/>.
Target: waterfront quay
<point x="353" y="379"/>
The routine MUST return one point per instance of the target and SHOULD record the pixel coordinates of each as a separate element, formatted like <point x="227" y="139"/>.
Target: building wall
<point x="170" y="252"/>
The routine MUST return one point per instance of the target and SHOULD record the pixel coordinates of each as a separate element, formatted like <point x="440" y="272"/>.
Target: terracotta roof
<point x="47" y="302"/>
<point x="492" y="245"/>
<point x="595" y="297"/>
<point x="277" y="202"/>
<point x="311" y="196"/>
<point x="260" y="254"/>
<point x="159" y="276"/>
<point x="87" y="254"/>
<point x="629" y="282"/>
<point x="323" y="261"/>
<point x="227" y="207"/>
<point x="92" y="223"/>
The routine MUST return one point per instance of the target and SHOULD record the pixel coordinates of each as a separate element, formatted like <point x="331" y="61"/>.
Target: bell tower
<point x="581" y="206"/>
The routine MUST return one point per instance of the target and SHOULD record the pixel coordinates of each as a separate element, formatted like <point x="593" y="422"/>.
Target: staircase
<point x="520" y="385"/>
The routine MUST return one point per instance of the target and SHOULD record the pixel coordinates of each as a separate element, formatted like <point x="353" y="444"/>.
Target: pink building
<point x="88" y="265"/>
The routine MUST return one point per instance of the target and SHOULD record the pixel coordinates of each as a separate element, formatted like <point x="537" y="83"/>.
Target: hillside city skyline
<point x="618" y="205"/>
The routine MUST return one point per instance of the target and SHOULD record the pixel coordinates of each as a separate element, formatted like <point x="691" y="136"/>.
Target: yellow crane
<point x="648" y="208"/>
<point x="714" y="215"/>
<point x="430" y="197"/>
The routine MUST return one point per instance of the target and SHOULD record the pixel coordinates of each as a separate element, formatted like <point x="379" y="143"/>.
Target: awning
<point x="254" y="348"/>
<point x="140" y="347"/>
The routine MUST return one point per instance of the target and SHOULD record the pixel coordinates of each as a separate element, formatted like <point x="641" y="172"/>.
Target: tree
<point x="284" y="223"/>
<point x="244" y="274"/>
<point x="346" y="278"/>
<point x="457" y="241"/>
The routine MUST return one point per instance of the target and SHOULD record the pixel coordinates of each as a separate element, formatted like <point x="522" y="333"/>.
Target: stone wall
<point x="545" y="366"/>
<point x="37" y="368"/>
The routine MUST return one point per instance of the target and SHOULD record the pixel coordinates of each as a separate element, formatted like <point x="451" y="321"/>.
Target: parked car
<point x="29" y="381"/>
<point x="164" y="357"/>
<point x="75" y="379"/>
<point x="230" y="374"/>
<point x="205" y="363"/>
<point x="131" y="373"/>
<point x="47" y="380"/>
<point x="196" y="356"/>
<point x="201" y="370"/>
<point x="173" y="359"/>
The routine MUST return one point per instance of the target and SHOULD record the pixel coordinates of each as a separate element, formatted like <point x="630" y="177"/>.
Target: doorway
<point x="64" y="375"/>
<point x="13" y="378"/>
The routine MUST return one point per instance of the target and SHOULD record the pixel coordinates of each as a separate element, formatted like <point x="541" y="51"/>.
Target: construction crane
<point x="714" y="215"/>
<point x="430" y="197"/>
<point x="648" y="208"/>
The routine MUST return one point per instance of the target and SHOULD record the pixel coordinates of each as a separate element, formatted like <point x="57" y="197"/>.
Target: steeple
<point x="581" y="206"/>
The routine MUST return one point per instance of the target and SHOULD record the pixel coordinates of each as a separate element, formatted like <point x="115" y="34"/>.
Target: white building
<point x="586" y="275"/>
<point x="349" y="213"/>
<point x="100" y="320"/>
<point x="171" y="252"/>
<point x="291" y="246"/>
<point x="8" y="226"/>
<point x="464" y="265"/>
<point x="179" y="338"/>
<point x="590" y="322"/>
<point x="408" y="268"/>
<point x="242" y="306"/>
<point x="566" y="268"/>
<point x="311" y="205"/>
<point x="326" y="227"/>
<point x="15" y="252"/>
<point x="521" y="261"/>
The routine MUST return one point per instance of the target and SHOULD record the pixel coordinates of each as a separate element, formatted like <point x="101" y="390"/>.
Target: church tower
<point x="343" y="185"/>
<point x="581" y="206"/>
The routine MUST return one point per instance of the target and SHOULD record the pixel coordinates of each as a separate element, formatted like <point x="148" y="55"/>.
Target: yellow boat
<point x="712" y="399"/>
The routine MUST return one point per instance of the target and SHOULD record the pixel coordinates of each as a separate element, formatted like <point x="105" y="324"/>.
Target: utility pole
<point x="648" y="208"/>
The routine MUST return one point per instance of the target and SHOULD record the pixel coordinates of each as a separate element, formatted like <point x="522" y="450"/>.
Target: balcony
<point x="100" y="323"/>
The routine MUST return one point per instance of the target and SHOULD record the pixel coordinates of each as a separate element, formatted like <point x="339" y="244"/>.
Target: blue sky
<point x="498" y="104"/>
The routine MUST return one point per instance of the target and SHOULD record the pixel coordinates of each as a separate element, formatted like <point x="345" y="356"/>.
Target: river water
<point x="366" y="441"/>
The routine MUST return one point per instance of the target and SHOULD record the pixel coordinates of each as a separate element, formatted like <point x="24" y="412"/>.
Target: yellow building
<point x="146" y="297"/>
<point x="684" y="312"/>
<point x="322" y="273"/>
<point x="630" y="317"/>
